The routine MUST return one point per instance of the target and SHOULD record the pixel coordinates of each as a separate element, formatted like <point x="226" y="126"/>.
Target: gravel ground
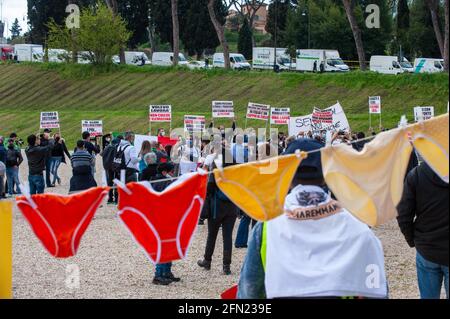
<point x="112" y="266"/>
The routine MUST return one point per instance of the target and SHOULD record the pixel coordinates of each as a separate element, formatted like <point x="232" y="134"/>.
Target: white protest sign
<point x="95" y="128"/>
<point x="280" y="115"/>
<point x="49" y="120"/>
<point x="223" y="109"/>
<point x="194" y="123"/>
<point x="375" y="105"/>
<point x="160" y="113"/>
<point x="423" y="113"/>
<point x="139" y="140"/>
<point x="258" y="111"/>
<point x="305" y="123"/>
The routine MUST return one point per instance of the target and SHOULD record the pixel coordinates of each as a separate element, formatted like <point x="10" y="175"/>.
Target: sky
<point x="13" y="9"/>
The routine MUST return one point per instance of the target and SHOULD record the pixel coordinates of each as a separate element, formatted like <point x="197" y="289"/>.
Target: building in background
<point x="259" y="20"/>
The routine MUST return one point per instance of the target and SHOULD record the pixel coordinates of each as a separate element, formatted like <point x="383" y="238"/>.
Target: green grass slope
<point x="120" y="96"/>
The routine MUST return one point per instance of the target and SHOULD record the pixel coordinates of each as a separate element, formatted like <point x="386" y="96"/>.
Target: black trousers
<point x="113" y="194"/>
<point x="225" y="218"/>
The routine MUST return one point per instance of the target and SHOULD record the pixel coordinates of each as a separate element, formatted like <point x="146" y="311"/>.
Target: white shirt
<point x="131" y="155"/>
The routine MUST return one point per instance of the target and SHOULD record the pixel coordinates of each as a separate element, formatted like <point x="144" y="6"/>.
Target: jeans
<point x="163" y="270"/>
<point x="430" y="277"/>
<point x="12" y="174"/>
<point x="54" y="165"/>
<point x="242" y="233"/>
<point x="37" y="184"/>
<point x="2" y="186"/>
<point x="48" y="162"/>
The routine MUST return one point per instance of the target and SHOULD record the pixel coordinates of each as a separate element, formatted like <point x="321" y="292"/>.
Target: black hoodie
<point x="423" y="214"/>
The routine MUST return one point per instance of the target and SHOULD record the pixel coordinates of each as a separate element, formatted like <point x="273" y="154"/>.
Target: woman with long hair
<point x="145" y="149"/>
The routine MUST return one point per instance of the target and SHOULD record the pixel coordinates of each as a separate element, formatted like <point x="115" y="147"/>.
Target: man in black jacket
<point x="37" y="156"/>
<point x="423" y="219"/>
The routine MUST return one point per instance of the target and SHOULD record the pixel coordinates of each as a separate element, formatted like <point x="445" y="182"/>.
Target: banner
<point x="223" y="109"/>
<point x="423" y="113"/>
<point x="194" y="123"/>
<point x="95" y="128"/>
<point x="49" y="120"/>
<point x="258" y="111"/>
<point x="375" y="105"/>
<point x="5" y="249"/>
<point x="322" y="116"/>
<point x="280" y="115"/>
<point x="305" y="123"/>
<point x="160" y="113"/>
<point x="164" y="141"/>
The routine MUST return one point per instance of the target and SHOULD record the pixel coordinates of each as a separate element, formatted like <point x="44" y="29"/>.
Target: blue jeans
<point x="163" y="269"/>
<point x="430" y="277"/>
<point x="242" y="233"/>
<point x="37" y="184"/>
<point x="12" y="174"/>
<point x="54" y="165"/>
<point x="47" y="171"/>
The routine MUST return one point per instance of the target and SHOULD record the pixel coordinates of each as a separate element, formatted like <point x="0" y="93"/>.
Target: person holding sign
<point x="37" y="155"/>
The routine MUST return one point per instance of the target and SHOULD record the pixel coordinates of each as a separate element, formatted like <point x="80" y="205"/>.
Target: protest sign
<point x="280" y="115"/>
<point x="224" y="109"/>
<point x="49" y="120"/>
<point x="322" y="116"/>
<point x="306" y="124"/>
<point x="160" y="113"/>
<point x="95" y="128"/>
<point x="194" y="123"/>
<point x="375" y="105"/>
<point x="164" y="141"/>
<point x="423" y="113"/>
<point x="139" y="139"/>
<point x="258" y="111"/>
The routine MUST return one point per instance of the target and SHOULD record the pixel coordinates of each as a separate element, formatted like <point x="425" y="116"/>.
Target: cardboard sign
<point x="423" y="113"/>
<point x="95" y="128"/>
<point x="280" y="115"/>
<point x="194" y="123"/>
<point x="160" y="113"/>
<point x="375" y="105"/>
<point x="49" y="120"/>
<point x="223" y="109"/>
<point x="322" y="116"/>
<point x="305" y="123"/>
<point x="258" y="111"/>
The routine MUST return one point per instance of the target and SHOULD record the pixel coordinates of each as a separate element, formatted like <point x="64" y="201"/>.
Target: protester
<point x="2" y="167"/>
<point x="126" y="158"/>
<point x="151" y="170"/>
<point x="317" y="249"/>
<point x="45" y="141"/>
<point x="163" y="273"/>
<point x="88" y="146"/>
<point x="423" y="217"/>
<point x="13" y="160"/>
<point x="83" y="177"/>
<point x="37" y="156"/>
<point x="58" y="156"/>
<point x="145" y="149"/>
<point x="161" y="132"/>
<point x="239" y="150"/>
<point x="108" y="155"/>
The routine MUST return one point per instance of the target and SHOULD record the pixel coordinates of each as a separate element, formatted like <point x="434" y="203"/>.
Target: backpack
<point x="108" y="157"/>
<point x="11" y="158"/>
<point x="119" y="163"/>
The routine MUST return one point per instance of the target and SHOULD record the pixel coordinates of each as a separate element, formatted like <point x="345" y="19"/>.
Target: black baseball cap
<point x="310" y="167"/>
<point x="47" y="130"/>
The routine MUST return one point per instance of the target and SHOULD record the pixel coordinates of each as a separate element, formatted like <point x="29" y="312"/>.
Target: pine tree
<point x="245" y="46"/>
<point x="15" y="29"/>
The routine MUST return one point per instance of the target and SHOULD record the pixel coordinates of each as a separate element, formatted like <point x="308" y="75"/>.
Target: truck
<point x="320" y="61"/>
<point x="390" y="65"/>
<point x="166" y="59"/>
<point x="29" y="52"/>
<point x="133" y="58"/>
<point x="237" y="61"/>
<point x="6" y="52"/>
<point x="264" y="59"/>
<point x="427" y="65"/>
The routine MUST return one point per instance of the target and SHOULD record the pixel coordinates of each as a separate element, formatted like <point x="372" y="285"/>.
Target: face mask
<point x="163" y="133"/>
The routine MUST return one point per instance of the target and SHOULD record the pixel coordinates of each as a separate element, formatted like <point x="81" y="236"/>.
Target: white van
<point x="320" y="61"/>
<point x="57" y="55"/>
<point x="237" y="61"/>
<point x="425" y="65"/>
<point x="29" y="52"/>
<point x="133" y="58"/>
<point x="264" y="59"/>
<point x="390" y="65"/>
<point x="166" y="59"/>
<point x="83" y="57"/>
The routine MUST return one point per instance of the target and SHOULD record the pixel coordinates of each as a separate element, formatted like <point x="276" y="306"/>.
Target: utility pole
<point x="275" y="37"/>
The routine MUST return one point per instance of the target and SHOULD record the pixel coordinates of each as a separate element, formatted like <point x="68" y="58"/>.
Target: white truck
<point x="166" y="59"/>
<point x="390" y="65"/>
<point x="237" y="61"/>
<point x="264" y="59"/>
<point x="29" y="52"/>
<point x="426" y="65"/>
<point x="133" y="58"/>
<point x="320" y="61"/>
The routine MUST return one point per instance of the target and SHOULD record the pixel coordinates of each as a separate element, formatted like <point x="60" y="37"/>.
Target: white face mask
<point x="163" y="133"/>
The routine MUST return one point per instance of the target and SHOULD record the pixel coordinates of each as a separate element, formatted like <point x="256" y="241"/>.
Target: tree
<point x="15" y="29"/>
<point x="446" y="35"/>
<point x="277" y="18"/>
<point x="434" y="9"/>
<point x="349" y="9"/>
<point x="135" y="13"/>
<point x="176" y="32"/>
<point x="40" y="13"/>
<point x="220" y="30"/>
<point x="248" y="9"/>
<point x="245" y="45"/>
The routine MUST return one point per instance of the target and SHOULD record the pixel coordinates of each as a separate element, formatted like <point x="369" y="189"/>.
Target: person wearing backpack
<point x="127" y="159"/>
<point x="108" y="155"/>
<point x="13" y="160"/>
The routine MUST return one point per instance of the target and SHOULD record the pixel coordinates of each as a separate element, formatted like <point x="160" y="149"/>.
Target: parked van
<point x="390" y="65"/>
<point x="57" y="55"/>
<point x="320" y="61"/>
<point x="29" y="52"/>
<point x="83" y="57"/>
<point x="133" y="58"/>
<point x="166" y="59"/>
<point x="264" y="59"/>
<point x="425" y="65"/>
<point x="237" y="61"/>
